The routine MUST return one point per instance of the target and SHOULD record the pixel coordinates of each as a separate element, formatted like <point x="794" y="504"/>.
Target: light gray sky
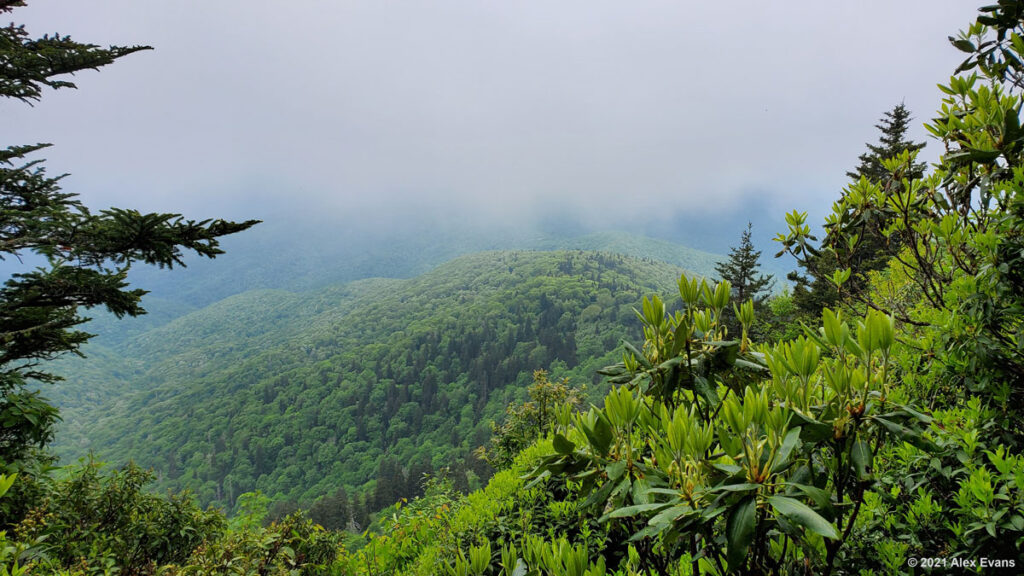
<point x="635" y="108"/>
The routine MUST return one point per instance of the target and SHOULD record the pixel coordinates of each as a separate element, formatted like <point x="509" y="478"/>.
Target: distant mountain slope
<point x="695" y="261"/>
<point x="289" y="256"/>
<point x="297" y="394"/>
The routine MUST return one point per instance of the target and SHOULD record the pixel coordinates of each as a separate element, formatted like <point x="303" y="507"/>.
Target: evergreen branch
<point x="27" y="65"/>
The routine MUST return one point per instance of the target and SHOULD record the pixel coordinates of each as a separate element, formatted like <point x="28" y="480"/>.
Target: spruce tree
<point x="331" y="511"/>
<point x="743" y="271"/>
<point x="892" y="142"/>
<point x="360" y="513"/>
<point x="814" y="291"/>
<point x="875" y="249"/>
<point x="419" y="470"/>
<point x="87" y="255"/>
<point x="390" y="483"/>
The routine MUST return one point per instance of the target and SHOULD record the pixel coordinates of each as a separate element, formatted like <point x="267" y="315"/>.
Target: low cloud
<point x="607" y="110"/>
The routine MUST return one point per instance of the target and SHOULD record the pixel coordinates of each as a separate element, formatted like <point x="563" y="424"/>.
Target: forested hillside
<point x="298" y="394"/>
<point x="529" y="413"/>
<point x="303" y="252"/>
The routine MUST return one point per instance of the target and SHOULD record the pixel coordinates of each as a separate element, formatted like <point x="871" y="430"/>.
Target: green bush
<point x="294" y="546"/>
<point x="746" y="461"/>
<point x="96" y="518"/>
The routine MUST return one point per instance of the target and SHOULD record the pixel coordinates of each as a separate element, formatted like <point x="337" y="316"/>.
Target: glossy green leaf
<point x="616" y="469"/>
<point x="789" y="443"/>
<point x="744" y="487"/>
<point x="811" y="430"/>
<point x="907" y="435"/>
<point x="563" y="445"/>
<point x="707" y="390"/>
<point x="739" y="529"/>
<point x="635" y="509"/>
<point x="600" y="496"/>
<point x="669" y="516"/>
<point x="802" y="515"/>
<point x="637" y="354"/>
<point x="740" y="363"/>
<point x="680" y="336"/>
<point x="924" y="418"/>
<point x="962" y="45"/>
<point x="6" y="481"/>
<point x="613" y="370"/>
<point x="600" y="436"/>
<point x="861" y="457"/>
<point x="822" y="499"/>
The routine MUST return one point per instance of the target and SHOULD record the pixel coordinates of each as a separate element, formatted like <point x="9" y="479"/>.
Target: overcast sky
<point x="637" y="108"/>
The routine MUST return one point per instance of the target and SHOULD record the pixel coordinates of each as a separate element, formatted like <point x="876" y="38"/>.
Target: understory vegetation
<point x="868" y="419"/>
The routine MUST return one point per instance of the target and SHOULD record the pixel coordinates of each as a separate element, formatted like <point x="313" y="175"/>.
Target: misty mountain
<point x="308" y="252"/>
<point x="296" y="394"/>
<point x="283" y="258"/>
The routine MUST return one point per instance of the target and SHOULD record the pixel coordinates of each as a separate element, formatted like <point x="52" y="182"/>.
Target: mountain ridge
<point x="321" y="385"/>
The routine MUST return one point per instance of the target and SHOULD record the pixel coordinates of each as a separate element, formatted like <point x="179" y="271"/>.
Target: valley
<point x="297" y="394"/>
<point x="487" y="289"/>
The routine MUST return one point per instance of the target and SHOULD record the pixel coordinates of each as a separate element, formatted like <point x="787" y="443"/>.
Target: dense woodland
<point x="568" y="413"/>
<point x="312" y="390"/>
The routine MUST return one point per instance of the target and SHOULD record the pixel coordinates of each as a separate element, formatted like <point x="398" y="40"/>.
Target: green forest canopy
<point x="888" y="433"/>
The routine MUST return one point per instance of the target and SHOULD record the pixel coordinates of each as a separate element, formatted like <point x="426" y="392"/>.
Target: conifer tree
<point x="814" y="291"/>
<point x="390" y="483"/>
<point x="87" y="255"/>
<point x="875" y="249"/>
<point x="331" y="511"/>
<point x="743" y="271"/>
<point x="892" y="142"/>
<point x="360" y="519"/>
<point x="419" y="470"/>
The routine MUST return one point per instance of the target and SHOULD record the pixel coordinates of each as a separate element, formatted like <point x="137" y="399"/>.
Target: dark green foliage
<point x="87" y="255"/>
<point x="27" y="65"/>
<point x="743" y="271"/>
<point x="963" y="497"/>
<point x="525" y="423"/>
<point x="708" y="455"/>
<point x="108" y="516"/>
<point x="360" y="513"/>
<point x="781" y="318"/>
<point x="333" y="511"/>
<point x="779" y="443"/>
<point x="446" y="531"/>
<point x="811" y="294"/>
<point x="960" y="230"/>
<point x="390" y="484"/>
<point x="281" y="509"/>
<point x="310" y="392"/>
<point x="292" y="546"/>
<point x="979" y="222"/>
<point x="891" y="143"/>
<point x="995" y="55"/>
<point x="874" y="247"/>
<point x="816" y="462"/>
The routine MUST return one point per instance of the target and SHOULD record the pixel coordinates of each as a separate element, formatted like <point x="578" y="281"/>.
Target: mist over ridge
<point x="597" y="110"/>
<point x="297" y="249"/>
